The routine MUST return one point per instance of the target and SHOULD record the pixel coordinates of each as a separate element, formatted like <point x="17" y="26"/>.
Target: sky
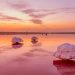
<point x="37" y="15"/>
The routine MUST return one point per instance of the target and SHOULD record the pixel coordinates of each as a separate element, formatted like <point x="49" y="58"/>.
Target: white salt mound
<point x="65" y="51"/>
<point x="17" y="39"/>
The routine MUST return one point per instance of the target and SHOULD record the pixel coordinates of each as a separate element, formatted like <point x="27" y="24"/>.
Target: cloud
<point x="67" y="10"/>
<point x="11" y="18"/>
<point x="29" y="11"/>
<point x="8" y="18"/>
<point x="36" y="21"/>
<point x="35" y="14"/>
<point x="18" y="6"/>
<point x="38" y="14"/>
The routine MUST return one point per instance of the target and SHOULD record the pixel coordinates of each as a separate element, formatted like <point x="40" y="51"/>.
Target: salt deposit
<point x="65" y="51"/>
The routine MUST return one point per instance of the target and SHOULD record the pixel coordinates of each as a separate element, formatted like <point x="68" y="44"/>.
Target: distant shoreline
<point x="46" y="33"/>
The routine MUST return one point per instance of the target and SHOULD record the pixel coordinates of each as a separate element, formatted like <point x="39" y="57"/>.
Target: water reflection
<point x="35" y="52"/>
<point x="17" y="46"/>
<point x="36" y="45"/>
<point x="65" y="67"/>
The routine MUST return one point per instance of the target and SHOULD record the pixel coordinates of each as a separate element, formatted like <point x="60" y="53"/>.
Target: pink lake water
<point x="33" y="59"/>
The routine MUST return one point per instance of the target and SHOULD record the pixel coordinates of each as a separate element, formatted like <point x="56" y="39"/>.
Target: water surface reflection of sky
<point x="32" y="59"/>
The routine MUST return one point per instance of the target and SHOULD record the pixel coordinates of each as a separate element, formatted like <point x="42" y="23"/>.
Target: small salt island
<point x="34" y="40"/>
<point x="17" y="42"/>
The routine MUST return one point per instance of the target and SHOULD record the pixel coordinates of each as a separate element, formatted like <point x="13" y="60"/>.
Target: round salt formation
<point x="17" y="41"/>
<point x="34" y="40"/>
<point x="65" y="51"/>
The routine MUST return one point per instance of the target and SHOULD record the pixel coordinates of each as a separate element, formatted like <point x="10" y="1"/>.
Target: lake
<point x="32" y="59"/>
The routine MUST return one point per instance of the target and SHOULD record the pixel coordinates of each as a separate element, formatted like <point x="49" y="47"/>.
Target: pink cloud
<point x="67" y="10"/>
<point x="6" y="17"/>
<point x="18" y="5"/>
<point x="35" y="13"/>
<point x="36" y="21"/>
<point x="29" y="11"/>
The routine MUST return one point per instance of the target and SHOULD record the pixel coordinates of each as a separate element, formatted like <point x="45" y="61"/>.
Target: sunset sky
<point x="37" y="15"/>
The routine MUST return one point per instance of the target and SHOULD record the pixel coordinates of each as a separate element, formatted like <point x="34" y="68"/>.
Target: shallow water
<point x="33" y="59"/>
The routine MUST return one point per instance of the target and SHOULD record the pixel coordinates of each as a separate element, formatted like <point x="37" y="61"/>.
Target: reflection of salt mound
<point x="65" y="67"/>
<point x="65" y="51"/>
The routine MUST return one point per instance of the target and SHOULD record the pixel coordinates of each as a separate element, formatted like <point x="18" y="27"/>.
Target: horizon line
<point x="13" y="33"/>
